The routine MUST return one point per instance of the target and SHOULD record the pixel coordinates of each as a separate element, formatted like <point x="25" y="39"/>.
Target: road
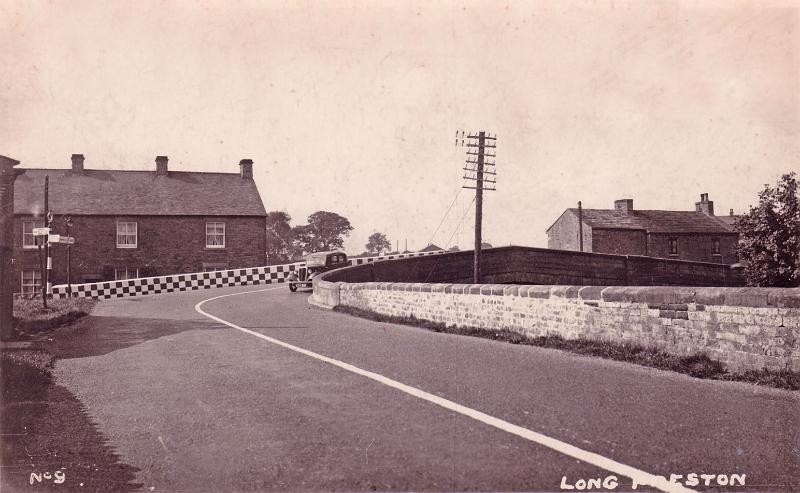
<point x="195" y="402"/>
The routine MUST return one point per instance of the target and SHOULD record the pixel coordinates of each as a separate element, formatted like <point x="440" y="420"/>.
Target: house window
<point x="126" y="273"/>
<point x="126" y="234"/>
<point x="715" y="246"/>
<point x="215" y="235"/>
<point x="28" y="240"/>
<point x="673" y="246"/>
<point x="31" y="281"/>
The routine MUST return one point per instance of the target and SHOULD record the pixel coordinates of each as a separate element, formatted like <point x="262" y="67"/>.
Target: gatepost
<point x="7" y="177"/>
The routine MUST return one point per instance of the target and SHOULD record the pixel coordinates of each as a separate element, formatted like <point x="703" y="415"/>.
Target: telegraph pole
<point x="580" y="224"/>
<point x="475" y="171"/>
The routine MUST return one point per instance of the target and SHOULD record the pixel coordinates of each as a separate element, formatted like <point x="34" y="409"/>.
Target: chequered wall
<point x="199" y="280"/>
<point x="364" y="260"/>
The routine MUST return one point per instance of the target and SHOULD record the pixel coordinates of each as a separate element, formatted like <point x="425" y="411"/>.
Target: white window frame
<point x="35" y="223"/>
<point x="127" y="234"/>
<point x="215" y="234"/>
<point x="127" y="273"/>
<point x="31" y="287"/>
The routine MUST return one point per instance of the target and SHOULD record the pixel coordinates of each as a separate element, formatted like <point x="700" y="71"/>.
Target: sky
<point x="352" y="107"/>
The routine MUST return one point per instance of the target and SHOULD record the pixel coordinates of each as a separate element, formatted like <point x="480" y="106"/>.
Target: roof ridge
<point x="131" y="171"/>
<point x="636" y="210"/>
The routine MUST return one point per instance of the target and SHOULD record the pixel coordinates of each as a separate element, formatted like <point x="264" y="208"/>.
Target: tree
<point x="454" y="248"/>
<point x="324" y="231"/>
<point x="769" y="236"/>
<point x="377" y="244"/>
<point x="279" y="237"/>
<point x="302" y="241"/>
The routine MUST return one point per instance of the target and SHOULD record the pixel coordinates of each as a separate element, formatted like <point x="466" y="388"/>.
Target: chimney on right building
<point x="246" y="169"/>
<point x="624" y="205"/>
<point x="161" y="165"/>
<point x="705" y="206"/>
<point x="77" y="164"/>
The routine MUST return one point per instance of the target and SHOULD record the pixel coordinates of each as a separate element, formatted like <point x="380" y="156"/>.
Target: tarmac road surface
<point x="324" y="401"/>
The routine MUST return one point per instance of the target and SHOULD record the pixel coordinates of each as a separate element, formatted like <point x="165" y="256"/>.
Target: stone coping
<point x="745" y="297"/>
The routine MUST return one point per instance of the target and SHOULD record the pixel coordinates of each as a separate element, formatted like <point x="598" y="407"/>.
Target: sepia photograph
<point x="400" y="246"/>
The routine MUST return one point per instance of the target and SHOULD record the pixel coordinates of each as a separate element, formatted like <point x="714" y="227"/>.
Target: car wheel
<point x="292" y="287"/>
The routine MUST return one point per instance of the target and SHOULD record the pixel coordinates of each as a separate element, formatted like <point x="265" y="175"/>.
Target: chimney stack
<point x="624" y="205"/>
<point x="731" y="212"/>
<point x="77" y="164"/>
<point x="161" y="165"/>
<point x="705" y="206"/>
<point x="246" y="169"/>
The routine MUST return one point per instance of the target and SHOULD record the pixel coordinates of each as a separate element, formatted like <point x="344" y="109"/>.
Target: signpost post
<point x="40" y="234"/>
<point x="68" y="222"/>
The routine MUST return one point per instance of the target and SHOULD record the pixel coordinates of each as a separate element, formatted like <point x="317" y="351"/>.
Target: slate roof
<point x="134" y="193"/>
<point x="653" y="221"/>
<point x="729" y="221"/>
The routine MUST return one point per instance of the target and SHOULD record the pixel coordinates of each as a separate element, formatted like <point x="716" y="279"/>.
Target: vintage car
<point x="316" y="263"/>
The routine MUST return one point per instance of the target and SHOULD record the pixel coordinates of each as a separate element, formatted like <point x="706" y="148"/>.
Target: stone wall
<point x="526" y="265"/>
<point x="696" y="247"/>
<point x="564" y="234"/>
<point x="620" y="241"/>
<point x="745" y="328"/>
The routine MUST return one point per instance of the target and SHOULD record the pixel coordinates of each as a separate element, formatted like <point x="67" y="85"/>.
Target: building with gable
<point x="129" y="224"/>
<point x="695" y="235"/>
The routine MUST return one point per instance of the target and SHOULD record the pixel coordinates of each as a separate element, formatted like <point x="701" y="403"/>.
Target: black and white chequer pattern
<point x="364" y="260"/>
<point x="199" y="280"/>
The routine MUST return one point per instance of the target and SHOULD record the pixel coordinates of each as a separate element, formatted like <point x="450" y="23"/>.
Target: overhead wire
<point x="468" y="210"/>
<point x="430" y="242"/>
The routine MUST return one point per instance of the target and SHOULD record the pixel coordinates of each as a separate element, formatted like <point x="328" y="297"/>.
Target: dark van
<point x="316" y="263"/>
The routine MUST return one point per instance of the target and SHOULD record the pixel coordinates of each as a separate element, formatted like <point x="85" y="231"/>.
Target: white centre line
<point x="638" y="476"/>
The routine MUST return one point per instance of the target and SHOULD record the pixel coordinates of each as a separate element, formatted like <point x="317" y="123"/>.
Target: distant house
<point x="129" y="224"/>
<point x="686" y="235"/>
<point x="432" y="248"/>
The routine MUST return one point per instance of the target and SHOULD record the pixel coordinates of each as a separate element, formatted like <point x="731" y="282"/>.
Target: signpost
<point x="69" y="240"/>
<point x="48" y="239"/>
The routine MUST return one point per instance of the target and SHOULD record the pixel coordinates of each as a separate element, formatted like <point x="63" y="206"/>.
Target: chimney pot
<point x="624" y="205"/>
<point x="705" y="206"/>
<point x="161" y="165"/>
<point x="77" y="163"/>
<point x="246" y="169"/>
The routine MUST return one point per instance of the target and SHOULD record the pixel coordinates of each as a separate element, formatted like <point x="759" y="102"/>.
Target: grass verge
<point x="697" y="365"/>
<point x="46" y="428"/>
<point x="30" y="316"/>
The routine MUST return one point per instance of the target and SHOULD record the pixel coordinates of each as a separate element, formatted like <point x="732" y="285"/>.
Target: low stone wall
<point x="745" y="328"/>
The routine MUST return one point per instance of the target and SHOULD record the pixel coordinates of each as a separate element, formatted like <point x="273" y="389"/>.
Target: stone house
<point x="130" y="224"/>
<point x="685" y="235"/>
